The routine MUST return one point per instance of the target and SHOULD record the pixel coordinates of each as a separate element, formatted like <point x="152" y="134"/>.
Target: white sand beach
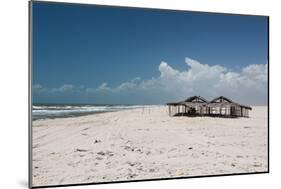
<point x="145" y="144"/>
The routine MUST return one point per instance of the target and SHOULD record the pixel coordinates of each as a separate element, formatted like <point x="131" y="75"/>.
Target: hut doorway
<point x="232" y="111"/>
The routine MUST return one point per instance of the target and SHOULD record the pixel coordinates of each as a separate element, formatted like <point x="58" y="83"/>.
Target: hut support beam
<point x="169" y="110"/>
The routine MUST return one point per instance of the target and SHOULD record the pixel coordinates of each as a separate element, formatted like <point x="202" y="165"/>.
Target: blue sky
<point x="85" y="54"/>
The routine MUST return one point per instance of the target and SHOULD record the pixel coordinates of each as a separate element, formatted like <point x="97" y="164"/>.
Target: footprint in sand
<point x="238" y="156"/>
<point x="133" y="163"/>
<point x="151" y="170"/>
<point x="107" y="153"/>
<point x="257" y="165"/>
<point x="99" y="158"/>
<point x="81" y="150"/>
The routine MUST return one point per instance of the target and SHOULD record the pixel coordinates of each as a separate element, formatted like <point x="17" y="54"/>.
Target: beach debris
<point x="233" y="165"/>
<point x="133" y="149"/>
<point x="36" y="175"/>
<point x="132" y="175"/>
<point x="101" y="153"/>
<point x="81" y="150"/>
<point x="108" y="153"/>
<point x="138" y="150"/>
<point x="179" y="173"/>
<point x="132" y="163"/>
<point x="151" y="170"/>
<point x="190" y="148"/>
<point x="257" y="164"/>
<point x="97" y="141"/>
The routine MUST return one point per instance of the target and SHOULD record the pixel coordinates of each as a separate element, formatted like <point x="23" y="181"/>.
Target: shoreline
<point x="82" y="112"/>
<point x="73" y="116"/>
<point x="139" y="144"/>
<point x="145" y="107"/>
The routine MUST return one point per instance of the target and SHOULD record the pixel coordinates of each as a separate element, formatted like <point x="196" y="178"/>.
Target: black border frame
<point x="30" y="51"/>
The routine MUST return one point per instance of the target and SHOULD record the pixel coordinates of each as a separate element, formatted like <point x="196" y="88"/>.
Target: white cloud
<point x="103" y="86"/>
<point x="64" y="88"/>
<point x="167" y="71"/>
<point x="248" y="85"/>
<point x="37" y="88"/>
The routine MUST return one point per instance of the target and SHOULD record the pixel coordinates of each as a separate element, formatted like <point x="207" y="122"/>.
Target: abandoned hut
<point x="198" y="106"/>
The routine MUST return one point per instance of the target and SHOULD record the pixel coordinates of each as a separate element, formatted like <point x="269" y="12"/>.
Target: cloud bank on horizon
<point x="247" y="86"/>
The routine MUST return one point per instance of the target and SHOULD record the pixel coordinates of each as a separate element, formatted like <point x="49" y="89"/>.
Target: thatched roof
<point x="191" y="101"/>
<point x="223" y="101"/>
<point x="200" y="101"/>
<point x="197" y="99"/>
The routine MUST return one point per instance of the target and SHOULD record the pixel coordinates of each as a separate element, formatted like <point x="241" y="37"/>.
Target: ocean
<point x="43" y="111"/>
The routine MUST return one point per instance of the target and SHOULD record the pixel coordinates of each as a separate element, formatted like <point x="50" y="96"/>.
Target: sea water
<point x="43" y="111"/>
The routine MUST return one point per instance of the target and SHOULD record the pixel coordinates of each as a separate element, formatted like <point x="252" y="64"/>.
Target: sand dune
<point x="145" y="144"/>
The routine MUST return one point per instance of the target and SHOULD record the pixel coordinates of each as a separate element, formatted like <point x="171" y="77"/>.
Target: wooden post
<point x="169" y="110"/>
